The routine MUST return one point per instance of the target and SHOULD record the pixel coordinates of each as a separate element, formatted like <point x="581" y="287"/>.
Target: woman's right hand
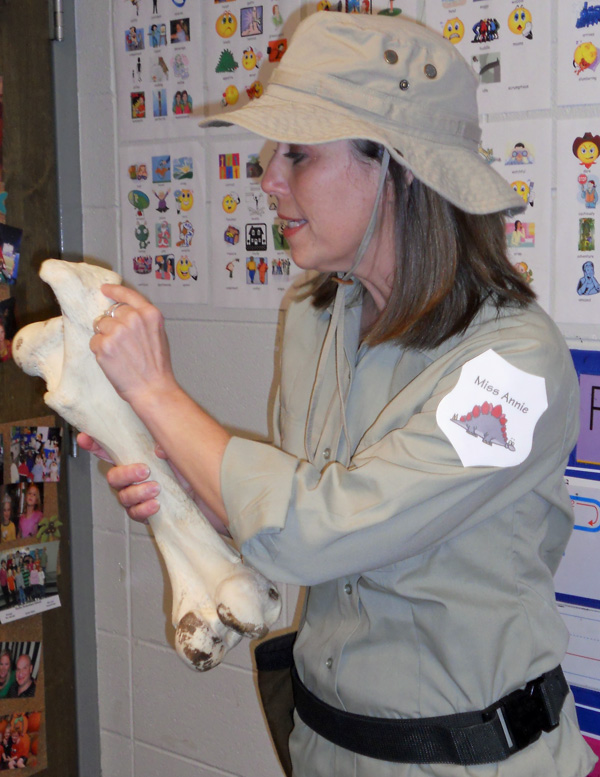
<point x="136" y="493"/>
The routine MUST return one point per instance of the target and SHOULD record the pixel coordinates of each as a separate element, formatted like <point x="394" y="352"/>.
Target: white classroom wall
<point x="158" y="717"/>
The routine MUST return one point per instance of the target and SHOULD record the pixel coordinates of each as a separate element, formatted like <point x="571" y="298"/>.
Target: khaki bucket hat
<point x="388" y="80"/>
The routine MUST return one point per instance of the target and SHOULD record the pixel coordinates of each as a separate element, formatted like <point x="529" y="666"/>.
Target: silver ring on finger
<point x="110" y="311"/>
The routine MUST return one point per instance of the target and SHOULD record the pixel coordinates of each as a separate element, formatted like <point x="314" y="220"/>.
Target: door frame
<point x="66" y="106"/>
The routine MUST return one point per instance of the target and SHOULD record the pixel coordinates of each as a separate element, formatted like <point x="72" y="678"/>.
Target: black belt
<point x="485" y="736"/>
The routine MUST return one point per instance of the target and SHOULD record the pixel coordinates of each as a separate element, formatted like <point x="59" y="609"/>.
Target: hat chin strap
<point x="335" y="332"/>
<point x="366" y="240"/>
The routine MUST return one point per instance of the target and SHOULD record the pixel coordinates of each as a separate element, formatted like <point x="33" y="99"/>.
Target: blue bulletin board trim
<point x="578" y="472"/>
<point x="586" y="363"/>
<point x="587" y="707"/>
<point x="578" y="601"/>
<point x="586" y="697"/>
<point x="589" y="720"/>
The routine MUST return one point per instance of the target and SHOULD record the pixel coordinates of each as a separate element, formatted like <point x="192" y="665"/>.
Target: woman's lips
<point x="291" y="226"/>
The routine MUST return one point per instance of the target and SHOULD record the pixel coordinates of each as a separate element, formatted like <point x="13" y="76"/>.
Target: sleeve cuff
<point x="256" y="486"/>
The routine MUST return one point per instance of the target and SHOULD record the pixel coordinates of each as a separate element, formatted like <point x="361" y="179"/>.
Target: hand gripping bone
<point x="217" y="598"/>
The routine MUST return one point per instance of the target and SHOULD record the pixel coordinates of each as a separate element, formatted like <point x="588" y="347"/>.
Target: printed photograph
<point x="10" y="251"/>
<point x="29" y="577"/>
<point x="20" y="664"/>
<point x="180" y="31"/>
<point x="251" y="21"/>
<point x="35" y="454"/>
<point x="22" y="741"/>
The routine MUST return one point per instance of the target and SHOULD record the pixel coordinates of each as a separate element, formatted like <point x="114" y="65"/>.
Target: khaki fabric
<point x="388" y="80"/>
<point x="430" y="583"/>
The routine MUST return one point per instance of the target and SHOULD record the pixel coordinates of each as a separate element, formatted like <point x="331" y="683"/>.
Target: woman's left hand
<point x="132" y="349"/>
<point x="131" y="346"/>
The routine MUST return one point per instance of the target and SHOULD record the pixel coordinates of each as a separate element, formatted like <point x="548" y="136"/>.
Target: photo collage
<point x="30" y="524"/>
<point x="30" y="543"/>
<point x="22" y="698"/>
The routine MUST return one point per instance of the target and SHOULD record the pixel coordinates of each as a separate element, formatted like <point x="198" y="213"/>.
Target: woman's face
<point x="4" y="667"/>
<point x="326" y="195"/>
<point x="6" y="513"/>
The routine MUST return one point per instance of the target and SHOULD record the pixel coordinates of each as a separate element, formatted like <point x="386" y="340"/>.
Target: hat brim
<point x="460" y="175"/>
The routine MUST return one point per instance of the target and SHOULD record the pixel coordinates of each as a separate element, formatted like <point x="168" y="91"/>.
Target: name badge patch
<point x="491" y="413"/>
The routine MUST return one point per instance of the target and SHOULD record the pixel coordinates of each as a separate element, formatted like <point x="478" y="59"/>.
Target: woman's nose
<point x="274" y="181"/>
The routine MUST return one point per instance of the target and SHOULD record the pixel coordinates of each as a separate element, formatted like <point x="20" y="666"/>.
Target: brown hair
<point x="448" y="263"/>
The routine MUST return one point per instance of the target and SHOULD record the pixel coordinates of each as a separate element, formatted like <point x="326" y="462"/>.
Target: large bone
<point x="216" y="597"/>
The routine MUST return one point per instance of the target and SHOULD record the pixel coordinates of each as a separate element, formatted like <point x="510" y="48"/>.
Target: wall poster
<point x="577" y="291"/>
<point x="164" y="220"/>
<point x="521" y="151"/>
<point x="507" y="43"/>
<point x="250" y="265"/>
<point x="578" y="53"/>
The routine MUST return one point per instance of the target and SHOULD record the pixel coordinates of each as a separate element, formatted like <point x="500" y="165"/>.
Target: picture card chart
<point x="577" y="292"/>
<point x="159" y="70"/>
<point x="163" y="221"/>
<point x="506" y="43"/>
<point x="244" y="41"/>
<point x="578" y="53"/>
<point x="521" y="151"/>
<point x="250" y="263"/>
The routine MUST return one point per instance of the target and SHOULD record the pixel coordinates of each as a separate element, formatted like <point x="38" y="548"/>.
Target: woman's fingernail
<point x="143" y="472"/>
<point x="155" y="490"/>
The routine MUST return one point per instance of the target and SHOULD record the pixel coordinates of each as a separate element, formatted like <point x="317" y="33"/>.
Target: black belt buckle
<point x="526" y="714"/>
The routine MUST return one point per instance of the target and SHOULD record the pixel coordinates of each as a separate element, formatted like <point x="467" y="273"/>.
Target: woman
<point x="29" y="520"/>
<point x="518" y="234"/>
<point x="416" y="480"/>
<point x="7" y="673"/>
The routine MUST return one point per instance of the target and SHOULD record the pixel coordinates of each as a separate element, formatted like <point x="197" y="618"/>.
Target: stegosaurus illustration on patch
<point x="488" y="422"/>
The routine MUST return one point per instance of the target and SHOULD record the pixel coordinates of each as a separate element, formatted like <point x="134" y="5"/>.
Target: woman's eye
<point x="295" y="156"/>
